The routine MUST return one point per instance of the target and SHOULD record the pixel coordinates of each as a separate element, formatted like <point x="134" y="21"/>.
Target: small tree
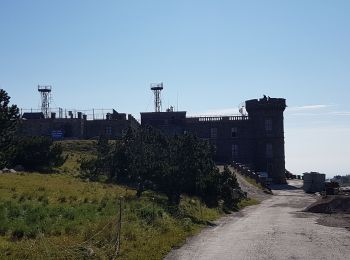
<point x="231" y="192"/>
<point x="101" y="165"/>
<point x="188" y="165"/>
<point x="8" y="121"/>
<point x="145" y="150"/>
<point x="38" y="153"/>
<point x="119" y="164"/>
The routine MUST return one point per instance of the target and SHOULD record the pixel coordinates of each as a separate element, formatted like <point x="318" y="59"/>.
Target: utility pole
<point x="153" y="210"/>
<point x="119" y="229"/>
<point x="120" y="220"/>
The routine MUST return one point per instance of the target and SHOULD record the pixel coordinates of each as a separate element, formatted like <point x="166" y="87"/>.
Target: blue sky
<point x="211" y="56"/>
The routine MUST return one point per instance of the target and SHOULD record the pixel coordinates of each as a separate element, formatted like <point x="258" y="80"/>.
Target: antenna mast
<point x="45" y="94"/>
<point x="157" y="88"/>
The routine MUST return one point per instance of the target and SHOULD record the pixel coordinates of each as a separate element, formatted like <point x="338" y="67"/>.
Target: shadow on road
<point x="284" y="187"/>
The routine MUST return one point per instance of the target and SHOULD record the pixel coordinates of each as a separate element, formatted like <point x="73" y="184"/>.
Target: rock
<point x="90" y="252"/>
<point x="6" y="170"/>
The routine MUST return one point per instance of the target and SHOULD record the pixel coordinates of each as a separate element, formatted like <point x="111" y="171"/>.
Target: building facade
<point x="113" y="126"/>
<point x="256" y="140"/>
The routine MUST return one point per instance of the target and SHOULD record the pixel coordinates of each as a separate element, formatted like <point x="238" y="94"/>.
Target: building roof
<point x="33" y="115"/>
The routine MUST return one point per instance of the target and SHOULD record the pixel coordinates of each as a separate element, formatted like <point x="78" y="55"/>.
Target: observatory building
<point x="255" y="139"/>
<point x="62" y="123"/>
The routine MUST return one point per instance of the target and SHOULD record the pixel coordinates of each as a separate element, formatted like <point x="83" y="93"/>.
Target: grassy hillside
<point x="61" y="216"/>
<point x="76" y="150"/>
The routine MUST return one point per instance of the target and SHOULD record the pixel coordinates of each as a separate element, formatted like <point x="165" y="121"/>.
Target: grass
<point x="47" y="215"/>
<point x="258" y="185"/>
<point x="253" y="182"/>
<point x="247" y="202"/>
<point x="76" y="150"/>
<point x="61" y="216"/>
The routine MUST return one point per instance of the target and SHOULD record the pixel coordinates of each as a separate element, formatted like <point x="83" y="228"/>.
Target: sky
<point x="210" y="55"/>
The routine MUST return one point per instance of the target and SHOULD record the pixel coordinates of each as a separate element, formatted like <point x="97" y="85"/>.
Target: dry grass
<point x="45" y="216"/>
<point x="57" y="214"/>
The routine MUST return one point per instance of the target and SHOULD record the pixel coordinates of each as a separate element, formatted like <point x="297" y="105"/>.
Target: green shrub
<point x="9" y="116"/>
<point x="38" y="153"/>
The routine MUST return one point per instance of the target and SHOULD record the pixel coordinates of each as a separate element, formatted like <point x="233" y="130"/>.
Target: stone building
<point x="113" y="126"/>
<point x="256" y="140"/>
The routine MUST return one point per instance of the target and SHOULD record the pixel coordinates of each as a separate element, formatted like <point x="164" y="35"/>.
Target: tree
<point x="174" y="165"/>
<point x="145" y="152"/>
<point x="231" y="192"/>
<point x="93" y="168"/>
<point x="9" y="116"/>
<point x="189" y="162"/>
<point x="38" y="153"/>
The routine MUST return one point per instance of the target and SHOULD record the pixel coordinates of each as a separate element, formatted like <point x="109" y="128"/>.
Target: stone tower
<point x="266" y="116"/>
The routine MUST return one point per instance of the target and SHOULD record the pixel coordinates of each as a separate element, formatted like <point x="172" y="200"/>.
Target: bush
<point x="174" y="165"/>
<point x="38" y="153"/>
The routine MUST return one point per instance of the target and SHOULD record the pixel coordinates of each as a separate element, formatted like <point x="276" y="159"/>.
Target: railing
<point x="216" y="118"/>
<point x="244" y="170"/>
<point x="61" y="113"/>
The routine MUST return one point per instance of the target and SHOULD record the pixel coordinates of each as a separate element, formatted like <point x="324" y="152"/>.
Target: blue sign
<point x="57" y="134"/>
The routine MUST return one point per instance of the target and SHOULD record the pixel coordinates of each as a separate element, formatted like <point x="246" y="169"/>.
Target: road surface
<point x="274" y="230"/>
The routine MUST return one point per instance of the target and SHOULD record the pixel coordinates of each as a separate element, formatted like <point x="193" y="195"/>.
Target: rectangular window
<point x="108" y="130"/>
<point x="215" y="148"/>
<point x="124" y="132"/>
<point x="269" y="151"/>
<point x="235" y="151"/>
<point x="213" y="133"/>
<point x="234" y="132"/>
<point x="268" y="125"/>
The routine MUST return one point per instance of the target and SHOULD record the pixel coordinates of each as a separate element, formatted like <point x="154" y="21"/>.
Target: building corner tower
<point x="266" y="115"/>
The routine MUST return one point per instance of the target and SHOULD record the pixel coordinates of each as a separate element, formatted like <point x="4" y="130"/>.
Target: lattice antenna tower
<point x="157" y="88"/>
<point x="45" y="94"/>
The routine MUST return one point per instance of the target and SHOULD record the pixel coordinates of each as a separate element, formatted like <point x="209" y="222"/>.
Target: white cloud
<point x="316" y="110"/>
<point x="308" y="107"/>
<point x="340" y="113"/>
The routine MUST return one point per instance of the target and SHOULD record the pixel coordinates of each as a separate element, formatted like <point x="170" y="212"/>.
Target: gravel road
<point x="274" y="229"/>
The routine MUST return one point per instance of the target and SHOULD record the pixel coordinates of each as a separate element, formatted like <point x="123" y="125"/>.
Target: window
<point x="213" y="133"/>
<point x="124" y="132"/>
<point x="269" y="151"/>
<point x="108" y="130"/>
<point x="234" y="132"/>
<point x="235" y="151"/>
<point x="268" y="125"/>
<point x="215" y="148"/>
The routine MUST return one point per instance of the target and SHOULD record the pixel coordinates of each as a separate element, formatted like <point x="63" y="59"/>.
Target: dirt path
<point x="275" y="229"/>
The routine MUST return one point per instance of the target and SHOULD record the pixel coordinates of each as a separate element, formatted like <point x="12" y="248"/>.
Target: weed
<point x="247" y="202"/>
<point x="41" y="188"/>
<point x="44" y="214"/>
<point x="62" y="199"/>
